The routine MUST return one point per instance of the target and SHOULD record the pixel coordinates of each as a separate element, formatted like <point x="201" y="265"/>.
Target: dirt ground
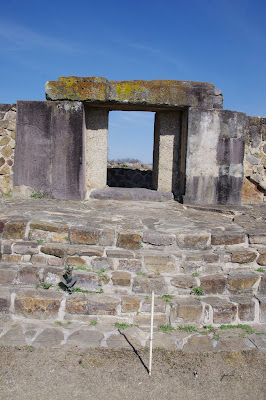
<point x="72" y="373"/>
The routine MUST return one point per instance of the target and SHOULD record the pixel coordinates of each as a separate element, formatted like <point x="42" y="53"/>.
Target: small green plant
<point x="195" y="274"/>
<point x="122" y="325"/>
<point x="69" y="322"/>
<point x="198" y="291"/>
<point x="261" y="270"/>
<point x="79" y="290"/>
<point x="167" y="297"/>
<point x="166" y="328"/>
<point x="124" y="165"/>
<point x="140" y="246"/>
<point x="100" y="272"/>
<point x="58" y="323"/>
<point x="210" y="328"/>
<point x="140" y="273"/>
<point x="93" y="323"/>
<point x="80" y="267"/>
<point x="246" y="328"/>
<point x="36" y="195"/>
<point x="46" y="285"/>
<point x="187" y="328"/>
<point x="40" y="240"/>
<point x="147" y="297"/>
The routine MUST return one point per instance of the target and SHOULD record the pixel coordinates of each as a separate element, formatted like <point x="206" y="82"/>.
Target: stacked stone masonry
<point x="201" y="277"/>
<point x="7" y="146"/>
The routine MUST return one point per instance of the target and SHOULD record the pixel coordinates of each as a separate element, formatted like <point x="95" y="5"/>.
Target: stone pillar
<point x="215" y="151"/>
<point x="166" y="155"/>
<point x="96" y="147"/>
<point x="48" y="152"/>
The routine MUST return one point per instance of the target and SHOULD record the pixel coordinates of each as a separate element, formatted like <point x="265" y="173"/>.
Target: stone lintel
<point x="138" y="92"/>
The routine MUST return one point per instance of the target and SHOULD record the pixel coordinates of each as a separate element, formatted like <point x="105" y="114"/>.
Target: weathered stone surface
<point x="240" y="282"/>
<point x="15" y="230"/>
<point x="130" y="265"/>
<point x="49" y="337"/>
<point x="159" y="305"/>
<point x="227" y="237"/>
<point x="143" y="284"/>
<point x="49" y="226"/>
<point x="159" y="263"/>
<point x="198" y="344"/>
<point x="38" y="304"/>
<point x="183" y="282"/>
<point x="100" y="263"/>
<point x="4" y="300"/>
<point x="118" y="341"/>
<point x="197" y="240"/>
<point x="262" y="286"/>
<point x="133" y="194"/>
<point x="250" y="192"/>
<point x="91" y="251"/>
<point x="188" y="309"/>
<point x="130" y="241"/>
<point x="25" y="248"/>
<point x="107" y="238"/>
<point x="246" y="307"/>
<point x="14" y="337"/>
<point x="102" y="305"/>
<point x="87" y="281"/>
<point x="2" y="225"/>
<point x="157" y="92"/>
<point x="257" y="238"/>
<point x="158" y="239"/>
<point x="77" y="304"/>
<point x="210" y="257"/>
<point x="7" y="275"/>
<point x="119" y="254"/>
<point x="213" y="284"/>
<point x="53" y="251"/>
<point x="11" y="257"/>
<point x="234" y="344"/>
<point x="85" y="338"/>
<point x="130" y="304"/>
<point x="262" y="257"/>
<point x="262" y="302"/>
<point x="243" y="256"/>
<point x="56" y="261"/>
<point x="224" y="312"/>
<point x="29" y="275"/>
<point x="84" y="236"/>
<point x="145" y="319"/>
<point x="164" y="341"/>
<point x="121" y="278"/>
<point x="76" y="261"/>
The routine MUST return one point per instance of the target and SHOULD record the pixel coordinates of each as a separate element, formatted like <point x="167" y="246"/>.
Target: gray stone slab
<point x="130" y="194"/>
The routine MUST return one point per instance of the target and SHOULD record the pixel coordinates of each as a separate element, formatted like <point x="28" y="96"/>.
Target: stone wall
<point x="254" y="187"/>
<point x="7" y="145"/>
<point x="129" y="175"/>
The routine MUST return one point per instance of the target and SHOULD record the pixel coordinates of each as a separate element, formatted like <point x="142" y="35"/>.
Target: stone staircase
<point x="206" y="268"/>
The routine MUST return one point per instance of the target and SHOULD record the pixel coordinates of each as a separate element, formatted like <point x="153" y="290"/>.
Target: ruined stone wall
<point x="254" y="187"/>
<point x="129" y="175"/>
<point x="7" y="145"/>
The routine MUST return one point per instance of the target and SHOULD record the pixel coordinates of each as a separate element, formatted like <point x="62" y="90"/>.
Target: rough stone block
<point x="198" y="344"/>
<point x="262" y="257"/>
<point x="14" y="337"/>
<point x="77" y="304"/>
<point x="257" y="238"/>
<point x="107" y="238"/>
<point x="130" y="304"/>
<point x="49" y="226"/>
<point x="25" y="248"/>
<point x="11" y="257"/>
<point x="243" y="256"/>
<point x="76" y="261"/>
<point x="130" y="265"/>
<point x="2" y="225"/>
<point x="4" y="300"/>
<point x="49" y="337"/>
<point x="130" y="241"/>
<point x="159" y="305"/>
<point x="121" y="278"/>
<point x="159" y="263"/>
<point x="213" y="284"/>
<point x="38" y="304"/>
<point x="51" y="260"/>
<point x="102" y="305"/>
<point x="29" y="275"/>
<point x="262" y="303"/>
<point x="36" y="259"/>
<point x="240" y="282"/>
<point x="262" y="286"/>
<point x="145" y="319"/>
<point x="85" y="338"/>
<point x="87" y="281"/>
<point x="183" y="282"/>
<point x="100" y="263"/>
<point x="234" y="344"/>
<point x="227" y="237"/>
<point x="84" y="236"/>
<point x="224" y="312"/>
<point x="7" y="275"/>
<point x="91" y="251"/>
<point x="143" y="284"/>
<point x="195" y="241"/>
<point x="15" y="230"/>
<point x="188" y="309"/>
<point x="53" y="251"/>
<point x="119" y="254"/>
<point x="119" y="342"/>
<point x="158" y="239"/>
<point x="246" y="307"/>
<point x="210" y="257"/>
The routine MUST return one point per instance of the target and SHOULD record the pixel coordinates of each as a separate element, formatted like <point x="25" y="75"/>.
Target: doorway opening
<point x="130" y="149"/>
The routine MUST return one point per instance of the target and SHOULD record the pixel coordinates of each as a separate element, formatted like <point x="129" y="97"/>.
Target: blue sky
<point x="223" y="42"/>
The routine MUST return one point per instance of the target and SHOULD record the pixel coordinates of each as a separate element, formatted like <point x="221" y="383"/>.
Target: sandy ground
<point x="71" y="373"/>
